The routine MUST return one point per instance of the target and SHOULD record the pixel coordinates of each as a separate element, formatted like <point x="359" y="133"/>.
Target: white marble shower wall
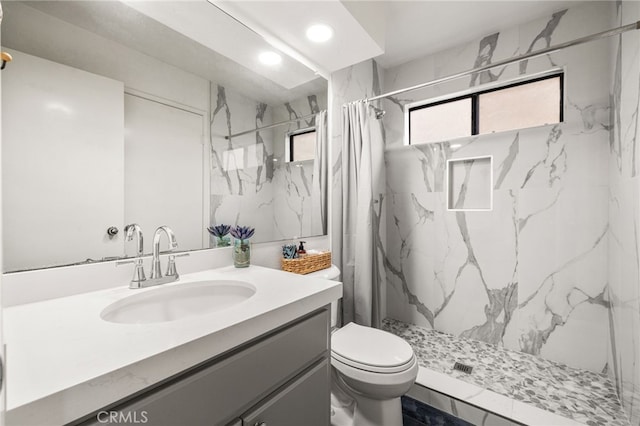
<point x="248" y="187"/>
<point x="292" y="197"/>
<point x="531" y="274"/>
<point x="241" y="176"/>
<point x="624" y="212"/>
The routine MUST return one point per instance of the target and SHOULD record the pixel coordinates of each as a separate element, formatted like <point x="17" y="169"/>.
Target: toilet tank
<point x="330" y="273"/>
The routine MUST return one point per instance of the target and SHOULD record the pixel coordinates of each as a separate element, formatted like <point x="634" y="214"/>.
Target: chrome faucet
<point x="156" y="273"/>
<point x="139" y="280"/>
<point x="138" y="273"/>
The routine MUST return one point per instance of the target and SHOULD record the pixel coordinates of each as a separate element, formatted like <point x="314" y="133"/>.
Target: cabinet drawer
<point x="305" y="401"/>
<point x="215" y="394"/>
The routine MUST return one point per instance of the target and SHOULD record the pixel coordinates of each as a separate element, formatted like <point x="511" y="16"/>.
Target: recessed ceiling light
<point x="270" y="58"/>
<point x="319" y="33"/>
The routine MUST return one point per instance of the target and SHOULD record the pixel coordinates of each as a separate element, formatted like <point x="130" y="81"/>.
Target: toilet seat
<point x="371" y="350"/>
<point x="373" y="368"/>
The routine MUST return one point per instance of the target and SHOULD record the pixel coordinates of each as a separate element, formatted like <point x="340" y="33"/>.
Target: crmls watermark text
<point x="129" y="417"/>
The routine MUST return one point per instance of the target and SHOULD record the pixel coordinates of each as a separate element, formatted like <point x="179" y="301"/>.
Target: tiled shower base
<point x="515" y="385"/>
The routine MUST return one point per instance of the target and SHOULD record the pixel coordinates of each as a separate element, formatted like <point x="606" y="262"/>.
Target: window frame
<point x="474" y="94"/>
<point x="289" y="143"/>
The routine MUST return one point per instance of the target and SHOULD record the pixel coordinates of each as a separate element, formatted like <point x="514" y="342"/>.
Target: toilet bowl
<point x="371" y="370"/>
<point x="375" y="368"/>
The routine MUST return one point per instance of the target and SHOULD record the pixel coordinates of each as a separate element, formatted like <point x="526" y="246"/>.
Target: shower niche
<point x="469" y="184"/>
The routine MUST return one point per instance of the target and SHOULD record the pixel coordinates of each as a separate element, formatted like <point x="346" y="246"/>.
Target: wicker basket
<point x="308" y="263"/>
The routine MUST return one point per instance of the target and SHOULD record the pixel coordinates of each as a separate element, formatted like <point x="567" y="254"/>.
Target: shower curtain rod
<point x="592" y="37"/>
<point x="257" y="129"/>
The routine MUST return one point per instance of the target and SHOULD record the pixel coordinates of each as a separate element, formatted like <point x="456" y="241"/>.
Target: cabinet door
<point x="160" y="138"/>
<point x="305" y="401"/>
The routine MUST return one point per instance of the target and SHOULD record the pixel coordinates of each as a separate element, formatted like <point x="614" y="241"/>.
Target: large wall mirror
<point x="137" y="112"/>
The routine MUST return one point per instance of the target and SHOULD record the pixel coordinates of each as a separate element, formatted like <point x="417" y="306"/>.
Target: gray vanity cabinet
<point x="302" y="402"/>
<point x="279" y="379"/>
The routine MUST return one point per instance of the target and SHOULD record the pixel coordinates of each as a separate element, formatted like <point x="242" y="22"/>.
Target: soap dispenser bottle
<point x="301" y="251"/>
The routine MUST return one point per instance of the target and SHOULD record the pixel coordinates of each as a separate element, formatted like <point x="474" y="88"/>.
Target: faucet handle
<point x="171" y="265"/>
<point x="138" y="272"/>
<point x="171" y="268"/>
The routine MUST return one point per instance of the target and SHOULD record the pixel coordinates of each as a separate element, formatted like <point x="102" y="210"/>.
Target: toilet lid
<point x="330" y="273"/>
<point x="370" y="349"/>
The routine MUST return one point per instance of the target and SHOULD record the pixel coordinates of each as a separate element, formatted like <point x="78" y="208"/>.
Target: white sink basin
<point x="178" y="302"/>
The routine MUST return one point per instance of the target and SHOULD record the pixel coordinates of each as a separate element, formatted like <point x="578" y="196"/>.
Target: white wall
<point x="63" y="163"/>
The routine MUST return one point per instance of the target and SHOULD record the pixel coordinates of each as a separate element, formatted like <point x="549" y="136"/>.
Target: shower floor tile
<point x="583" y="396"/>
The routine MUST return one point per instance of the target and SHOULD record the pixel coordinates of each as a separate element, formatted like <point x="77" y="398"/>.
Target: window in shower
<point x="301" y="145"/>
<point x="517" y="105"/>
<point x="441" y="121"/>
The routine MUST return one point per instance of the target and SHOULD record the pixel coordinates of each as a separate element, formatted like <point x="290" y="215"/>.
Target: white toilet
<point x="371" y="370"/>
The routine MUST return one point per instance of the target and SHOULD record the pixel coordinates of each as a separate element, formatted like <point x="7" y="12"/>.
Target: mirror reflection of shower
<point x="172" y="95"/>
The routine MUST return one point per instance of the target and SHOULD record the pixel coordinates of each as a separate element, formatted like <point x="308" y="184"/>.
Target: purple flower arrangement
<point x="220" y="232"/>
<point x="241" y="246"/>
<point x="242" y="232"/>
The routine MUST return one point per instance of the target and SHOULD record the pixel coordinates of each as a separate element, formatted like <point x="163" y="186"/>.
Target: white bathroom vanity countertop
<point x="64" y="361"/>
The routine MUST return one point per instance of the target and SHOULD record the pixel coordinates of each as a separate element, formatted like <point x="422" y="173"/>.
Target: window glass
<point x="519" y="105"/>
<point x="302" y="146"/>
<point x="526" y="105"/>
<point x="440" y="122"/>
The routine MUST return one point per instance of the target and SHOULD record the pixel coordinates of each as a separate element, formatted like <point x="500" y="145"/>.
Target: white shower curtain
<point x="319" y="180"/>
<point x="363" y="188"/>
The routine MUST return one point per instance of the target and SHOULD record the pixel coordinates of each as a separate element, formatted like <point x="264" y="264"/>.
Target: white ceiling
<point x="222" y="43"/>
<point x="213" y="28"/>
<point x="392" y="31"/>
<point x="288" y="20"/>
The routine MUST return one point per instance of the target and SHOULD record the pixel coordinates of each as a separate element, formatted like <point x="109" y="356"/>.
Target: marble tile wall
<point x="241" y="175"/>
<point x="530" y="275"/>
<point x="247" y="186"/>
<point x="624" y="211"/>
<point x="294" y="215"/>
